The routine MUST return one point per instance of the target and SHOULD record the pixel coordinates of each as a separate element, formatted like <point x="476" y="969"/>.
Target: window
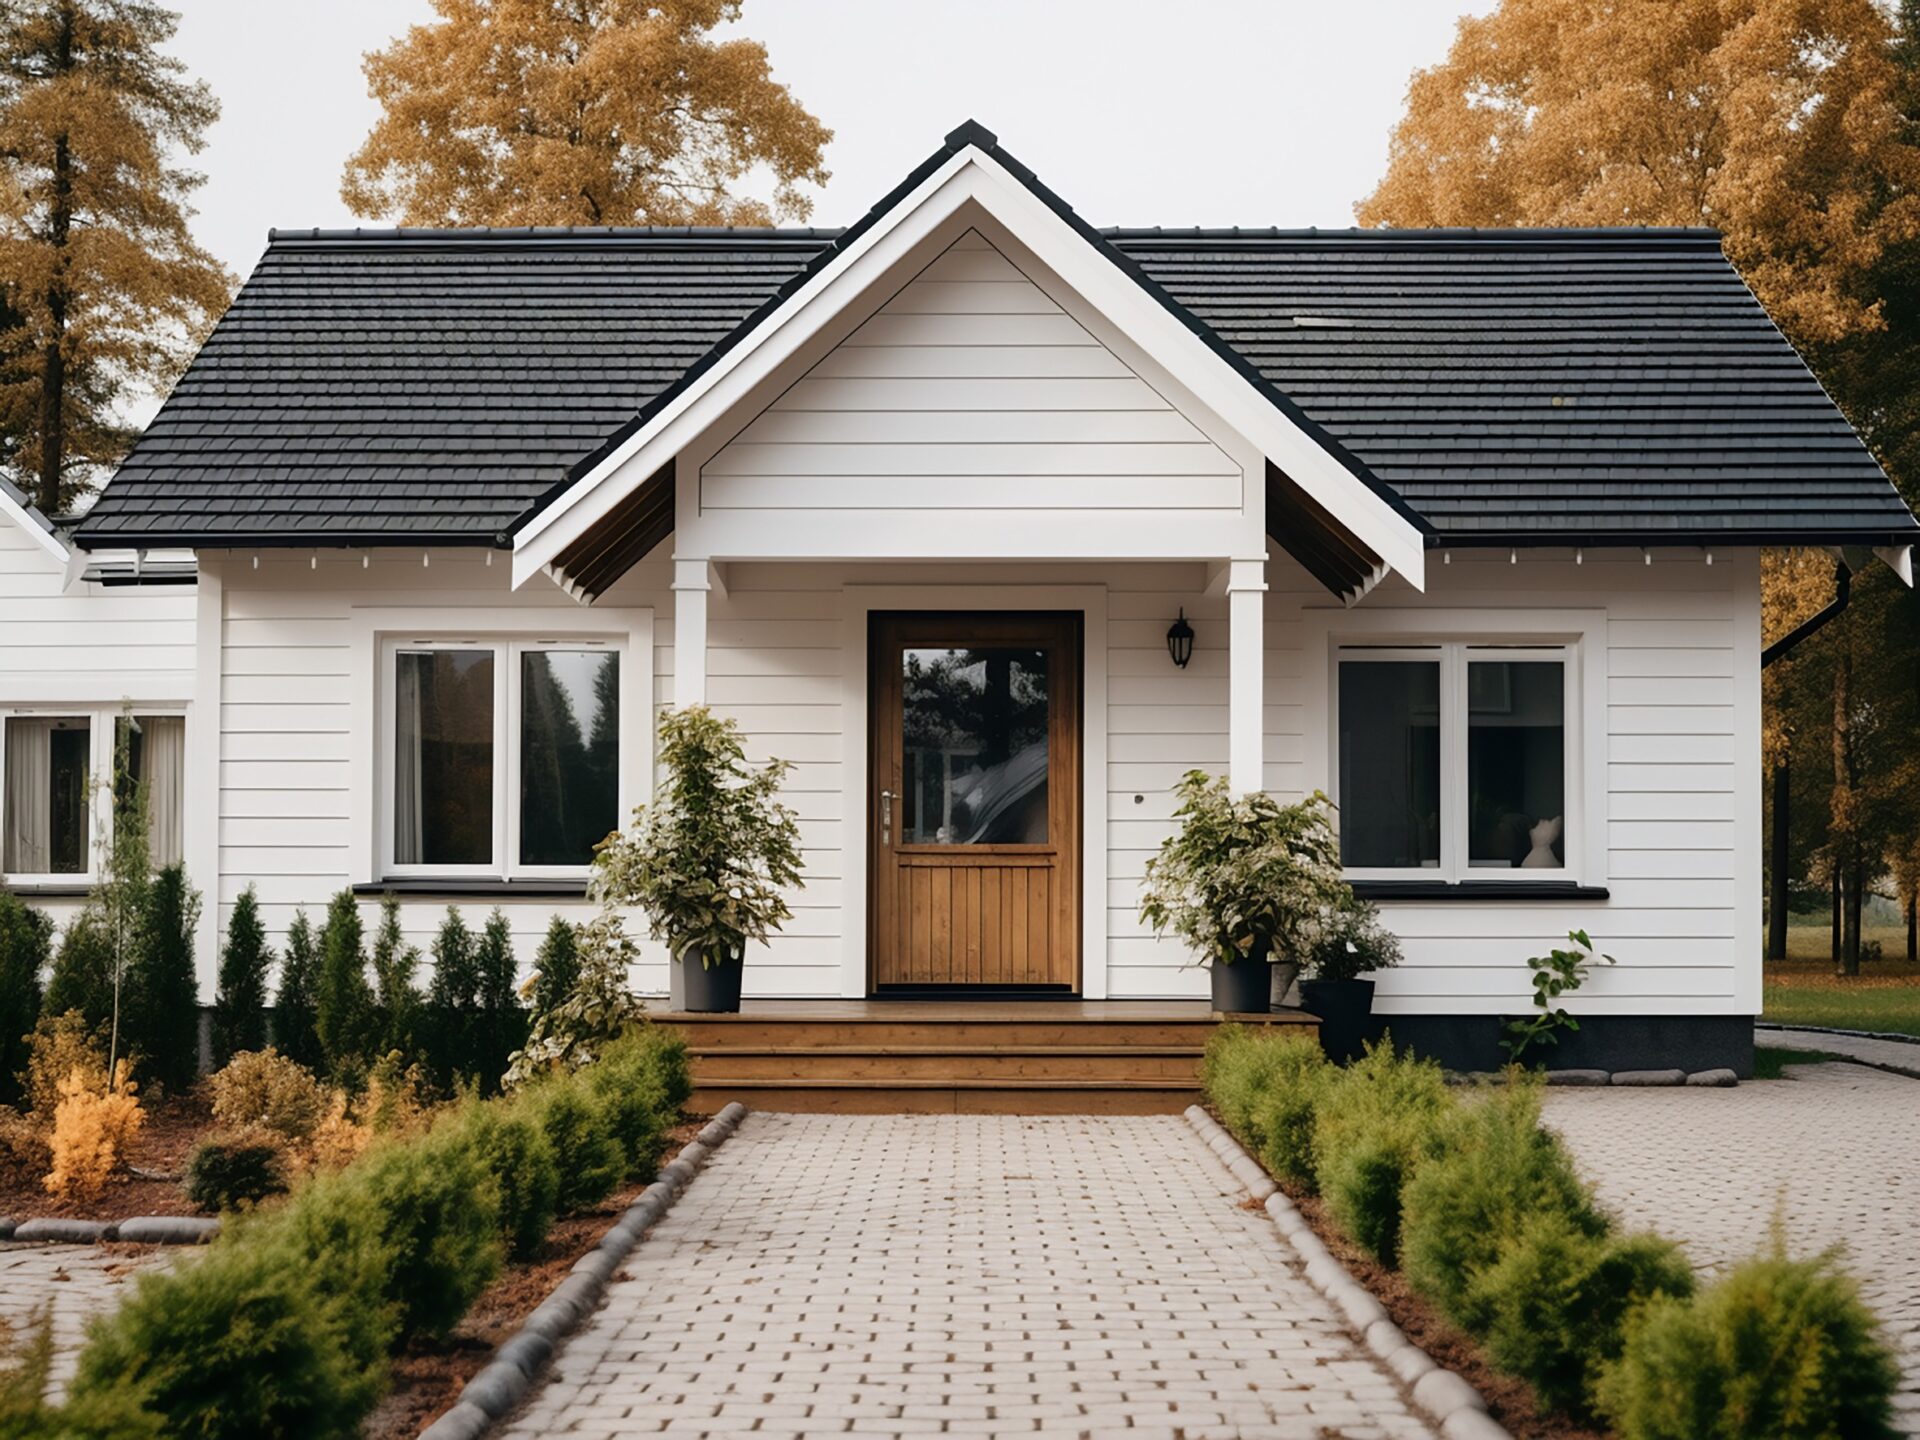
<point x="503" y="756"/>
<point x="1454" y="761"/>
<point x="47" y="787"/>
<point x="975" y="766"/>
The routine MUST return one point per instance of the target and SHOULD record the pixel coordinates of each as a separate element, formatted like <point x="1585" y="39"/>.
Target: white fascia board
<point x="1899" y="559"/>
<point x="973" y="176"/>
<point x="47" y="540"/>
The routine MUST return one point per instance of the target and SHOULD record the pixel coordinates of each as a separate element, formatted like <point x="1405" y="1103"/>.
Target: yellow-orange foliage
<point x="1774" y="120"/>
<point x="92" y="1128"/>
<point x="339" y="1138"/>
<point x="596" y="112"/>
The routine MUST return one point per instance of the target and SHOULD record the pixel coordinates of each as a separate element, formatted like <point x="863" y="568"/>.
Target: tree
<point x="394" y="962"/>
<point x="555" y="966"/>
<point x="342" y="1000"/>
<point x="500" y="1026"/>
<point x="453" y="998"/>
<point x="26" y="938"/>
<point x="296" y="1030"/>
<point x="595" y="112"/>
<point x="240" y="1001"/>
<point x="106" y="286"/>
<point x="164" y="1029"/>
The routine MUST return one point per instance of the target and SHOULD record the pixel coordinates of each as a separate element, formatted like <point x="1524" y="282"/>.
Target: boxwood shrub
<point x="516" y="1152"/>
<point x="589" y="1157"/>
<point x="1373" y="1127"/>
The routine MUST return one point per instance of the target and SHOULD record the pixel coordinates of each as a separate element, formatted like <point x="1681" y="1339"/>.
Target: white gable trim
<point x="972" y="176"/>
<point x="28" y="521"/>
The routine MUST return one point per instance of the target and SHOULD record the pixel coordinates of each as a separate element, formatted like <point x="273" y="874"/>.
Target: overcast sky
<point x="1209" y="112"/>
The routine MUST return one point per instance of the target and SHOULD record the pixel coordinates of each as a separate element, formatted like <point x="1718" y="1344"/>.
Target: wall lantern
<point x="1180" y="640"/>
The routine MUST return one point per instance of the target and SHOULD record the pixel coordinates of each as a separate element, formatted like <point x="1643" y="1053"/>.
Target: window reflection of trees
<point x="569" y="770"/>
<point x="976" y="746"/>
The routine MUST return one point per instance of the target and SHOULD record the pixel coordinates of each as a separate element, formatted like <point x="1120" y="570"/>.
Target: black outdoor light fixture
<point x="1180" y="640"/>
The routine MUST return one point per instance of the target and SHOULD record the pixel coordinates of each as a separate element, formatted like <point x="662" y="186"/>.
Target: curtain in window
<point x="29" y="817"/>
<point x="163" y="765"/>
<point x="409" y="826"/>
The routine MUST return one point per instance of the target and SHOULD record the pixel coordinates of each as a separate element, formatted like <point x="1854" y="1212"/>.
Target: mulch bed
<point x="148" y="1185"/>
<point x="428" y="1376"/>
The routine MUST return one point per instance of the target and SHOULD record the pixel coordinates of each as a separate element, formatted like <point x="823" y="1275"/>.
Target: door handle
<point x="886" y="817"/>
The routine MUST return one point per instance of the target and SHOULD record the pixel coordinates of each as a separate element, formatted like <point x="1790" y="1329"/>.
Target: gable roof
<point x="1494" y="387"/>
<point x="16" y="506"/>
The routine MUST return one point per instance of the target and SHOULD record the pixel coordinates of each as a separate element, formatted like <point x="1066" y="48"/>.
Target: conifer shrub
<point x="398" y="1020"/>
<point x="1778" y="1347"/>
<point x="556" y="965"/>
<point x="453" y="1000"/>
<point x="343" y="1005"/>
<point x="92" y="1127"/>
<point x="515" y="1150"/>
<point x="670" y="1063"/>
<point x="235" y="1169"/>
<point x="586" y="1152"/>
<point x="296" y="1032"/>
<point x="1500" y="1168"/>
<point x="440" y="1215"/>
<point x="240" y="1000"/>
<point x="631" y="1083"/>
<point x="1237" y="1071"/>
<point x="499" y="1024"/>
<point x="26" y="1372"/>
<point x="83" y="966"/>
<point x="266" y="1089"/>
<point x="26" y="945"/>
<point x="233" y="1345"/>
<point x="1556" y="1303"/>
<point x="331" y="1229"/>
<point x="1376" y="1122"/>
<point x="163" y="1027"/>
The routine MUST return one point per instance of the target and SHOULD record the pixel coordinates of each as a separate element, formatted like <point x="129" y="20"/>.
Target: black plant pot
<point x="1345" y="1008"/>
<point x="707" y="988"/>
<point x="1245" y="987"/>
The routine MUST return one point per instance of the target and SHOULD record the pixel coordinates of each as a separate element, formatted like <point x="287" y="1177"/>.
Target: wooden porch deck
<point x="1001" y="1057"/>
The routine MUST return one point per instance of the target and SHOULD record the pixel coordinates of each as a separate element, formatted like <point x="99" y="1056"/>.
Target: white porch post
<point x="692" y="583"/>
<point x="1246" y="666"/>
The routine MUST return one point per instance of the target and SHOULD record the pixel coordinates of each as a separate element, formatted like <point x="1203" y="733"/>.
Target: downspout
<point x="1842" y="595"/>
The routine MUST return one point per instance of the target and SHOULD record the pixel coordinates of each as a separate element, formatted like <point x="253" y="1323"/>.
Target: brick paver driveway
<point x="888" y="1275"/>
<point x="1836" y="1149"/>
<point x="69" y="1284"/>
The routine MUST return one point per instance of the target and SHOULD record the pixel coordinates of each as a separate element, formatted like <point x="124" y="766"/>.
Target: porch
<point x="940" y="1056"/>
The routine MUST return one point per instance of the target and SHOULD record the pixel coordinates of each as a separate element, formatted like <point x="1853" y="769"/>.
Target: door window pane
<point x="1516" y="764"/>
<point x="569" y="754"/>
<point x="46" y="789"/>
<point x="1390" y="763"/>
<point x="156" y="749"/>
<point x="976" y="747"/>
<point x="443" y="757"/>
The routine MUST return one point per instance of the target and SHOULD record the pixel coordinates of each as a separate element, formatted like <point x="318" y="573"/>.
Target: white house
<point x="1465" y="525"/>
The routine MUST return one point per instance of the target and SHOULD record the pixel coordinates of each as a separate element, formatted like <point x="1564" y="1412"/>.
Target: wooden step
<point x="941" y="1097"/>
<point x="1170" y="1064"/>
<point x="707" y="1032"/>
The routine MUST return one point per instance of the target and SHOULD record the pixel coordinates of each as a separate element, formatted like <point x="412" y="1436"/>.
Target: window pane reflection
<point x="569" y="754"/>
<point x="1390" y="763"/>
<point x="976" y="747"/>
<point x="1516" y="764"/>
<point x="46" y="789"/>
<point x="443" y="761"/>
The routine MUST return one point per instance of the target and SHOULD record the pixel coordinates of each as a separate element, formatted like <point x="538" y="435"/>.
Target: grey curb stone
<point x="169" y="1230"/>
<point x="61" y="1231"/>
<point x="463" y="1422"/>
<point x="1579" y="1077"/>
<point x="504" y="1383"/>
<point x="6" y="1228"/>
<point x="1649" y="1077"/>
<point x="1444" y="1396"/>
<point x="1714" y="1079"/>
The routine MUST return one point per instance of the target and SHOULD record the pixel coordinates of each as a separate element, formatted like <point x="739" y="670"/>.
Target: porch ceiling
<point x="1328" y="550"/>
<point x="630" y="530"/>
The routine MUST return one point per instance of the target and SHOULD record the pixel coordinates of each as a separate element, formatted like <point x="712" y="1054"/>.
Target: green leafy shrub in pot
<point x="516" y="1152"/>
<point x="230" y="1346"/>
<point x="587" y="1154"/>
<point x="1375" y="1124"/>
<point x="1556" y="1303"/>
<point x="235" y="1169"/>
<point x="1500" y="1168"/>
<point x="1349" y="942"/>
<point x="1778" y="1348"/>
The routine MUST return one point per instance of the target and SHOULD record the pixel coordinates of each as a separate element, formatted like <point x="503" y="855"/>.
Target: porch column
<point x="1246" y="668"/>
<point x="692" y="582"/>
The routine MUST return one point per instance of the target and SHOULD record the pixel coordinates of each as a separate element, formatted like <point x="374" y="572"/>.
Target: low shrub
<point x="1779" y="1347"/>
<point x="236" y="1344"/>
<point x="92" y="1128"/>
<point x="515" y="1151"/>
<point x="339" y="1139"/>
<point x="588" y="1156"/>
<point x="1556" y="1303"/>
<point x="26" y="1370"/>
<point x="264" y="1088"/>
<point x="236" y="1169"/>
<point x="1240" y="1068"/>
<point x="59" y="1046"/>
<point x="632" y="1082"/>
<point x="1284" y="1117"/>
<point x="1500" y="1168"/>
<point x="1374" y="1125"/>
<point x="330" y="1230"/>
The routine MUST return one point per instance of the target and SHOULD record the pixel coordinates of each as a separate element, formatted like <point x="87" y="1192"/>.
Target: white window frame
<point x="101" y="721"/>
<point x="1578" y="634"/>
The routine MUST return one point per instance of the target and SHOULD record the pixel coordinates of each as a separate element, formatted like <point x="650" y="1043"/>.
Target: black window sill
<point x="469" y="889"/>
<point x="1477" y="890"/>
<point x="51" y="890"/>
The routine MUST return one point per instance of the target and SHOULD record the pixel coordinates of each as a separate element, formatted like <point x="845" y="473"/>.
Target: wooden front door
<point x="974" y="801"/>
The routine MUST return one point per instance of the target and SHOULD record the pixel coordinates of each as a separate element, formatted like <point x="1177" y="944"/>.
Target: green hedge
<point x="1482" y="1208"/>
<point x="286" y="1325"/>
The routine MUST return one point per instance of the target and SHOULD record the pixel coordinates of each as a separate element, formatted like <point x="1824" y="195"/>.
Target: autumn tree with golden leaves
<point x="587" y="112"/>
<point x="105" y="289"/>
<point x="1793" y="127"/>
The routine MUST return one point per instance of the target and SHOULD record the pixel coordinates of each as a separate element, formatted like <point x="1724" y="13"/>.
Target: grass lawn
<point x="1803" y="990"/>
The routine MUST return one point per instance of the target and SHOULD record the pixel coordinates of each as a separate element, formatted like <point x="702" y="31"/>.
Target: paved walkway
<point x="889" y="1275"/>
<point x="72" y="1283"/>
<point x="1835" y="1148"/>
<point x="1900" y="1055"/>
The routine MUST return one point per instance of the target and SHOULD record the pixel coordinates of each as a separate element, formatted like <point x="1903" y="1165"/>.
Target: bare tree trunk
<point x="1835" y="886"/>
<point x="1778" y="859"/>
<point x="1913" y="926"/>
<point x="1856" y="892"/>
<point x="53" y="376"/>
<point x="1846" y="831"/>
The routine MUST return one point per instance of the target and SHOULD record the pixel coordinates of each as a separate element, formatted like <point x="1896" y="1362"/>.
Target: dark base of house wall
<point x="1603" y="1042"/>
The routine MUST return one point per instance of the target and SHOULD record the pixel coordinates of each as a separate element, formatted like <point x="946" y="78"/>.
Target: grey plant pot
<point x="1285" y="972"/>
<point x="706" y="989"/>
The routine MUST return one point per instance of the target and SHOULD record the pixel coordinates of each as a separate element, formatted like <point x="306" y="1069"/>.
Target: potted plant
<point x="1349" y="943"/>
<point x="708" y="859"/>
<point x="1243" y="881"/>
